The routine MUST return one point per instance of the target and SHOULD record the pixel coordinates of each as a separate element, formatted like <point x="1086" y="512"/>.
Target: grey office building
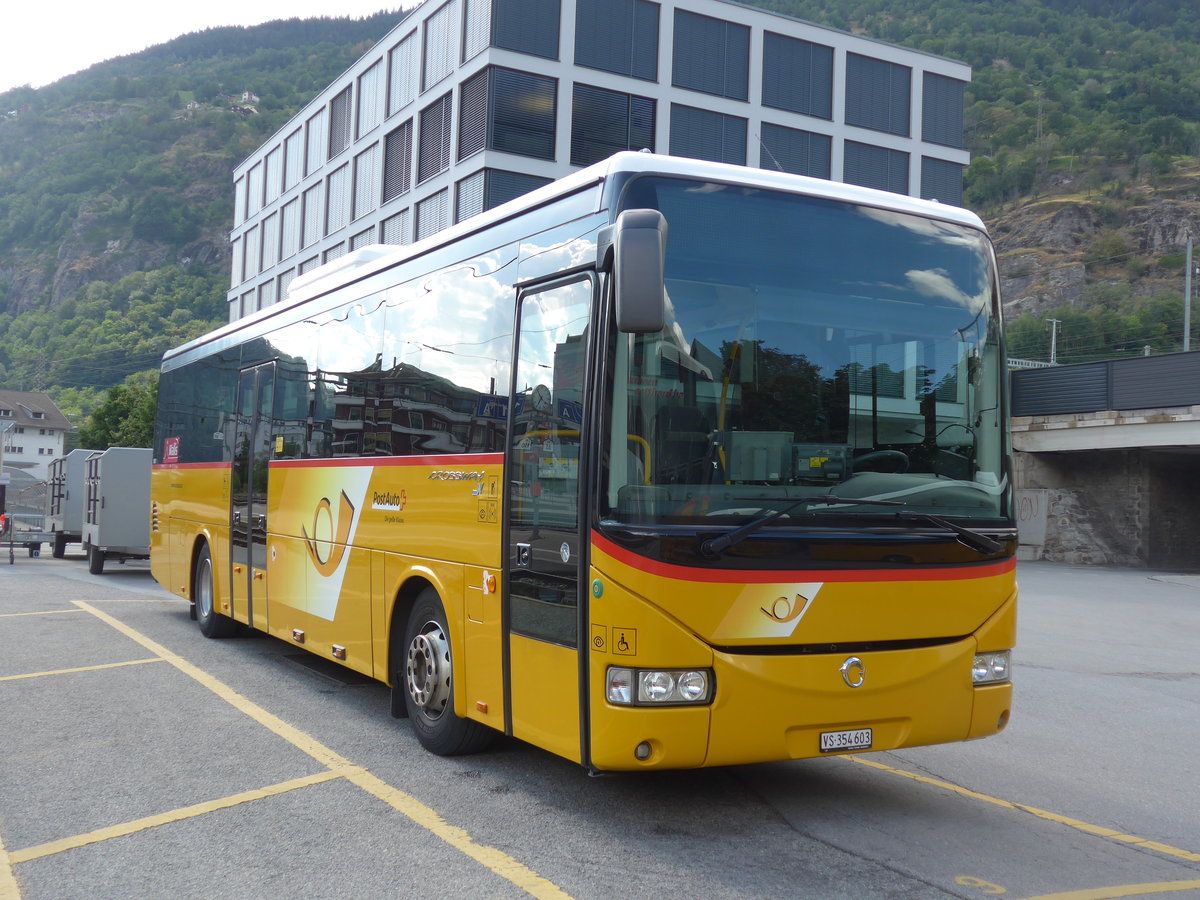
<point x="466" y="104"/>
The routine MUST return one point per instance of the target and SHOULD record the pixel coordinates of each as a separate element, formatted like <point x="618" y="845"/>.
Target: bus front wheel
<point x="428" y="684"/>
<point x="212" y="623"/>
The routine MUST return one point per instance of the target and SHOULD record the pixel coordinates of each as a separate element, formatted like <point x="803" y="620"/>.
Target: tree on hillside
<point x="126" y="417"/>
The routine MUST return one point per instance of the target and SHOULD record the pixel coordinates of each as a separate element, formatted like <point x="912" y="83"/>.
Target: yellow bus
<point x="666" y="464"/>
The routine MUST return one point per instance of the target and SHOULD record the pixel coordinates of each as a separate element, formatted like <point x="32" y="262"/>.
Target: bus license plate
<point x="858" y="739"/>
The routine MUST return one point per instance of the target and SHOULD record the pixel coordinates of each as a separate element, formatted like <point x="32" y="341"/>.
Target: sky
<point x="41" y="44"/>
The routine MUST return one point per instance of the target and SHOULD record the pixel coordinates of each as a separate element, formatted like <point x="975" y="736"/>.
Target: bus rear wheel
<point x="212" y="623"/>
<point x="428" y="684"/>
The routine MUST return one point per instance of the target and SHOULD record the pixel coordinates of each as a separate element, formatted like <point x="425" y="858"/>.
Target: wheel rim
<point x="204" y="589"/>
<point x="429" y="670"/>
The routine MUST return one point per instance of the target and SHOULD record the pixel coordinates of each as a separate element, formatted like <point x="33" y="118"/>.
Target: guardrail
<point x="1141" y="382"/>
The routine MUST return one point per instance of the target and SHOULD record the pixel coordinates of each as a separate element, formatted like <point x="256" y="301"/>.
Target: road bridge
<point x="1107" y="457"/>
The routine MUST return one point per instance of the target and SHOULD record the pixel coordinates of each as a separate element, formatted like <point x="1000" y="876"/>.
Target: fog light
<point x="642" y="751"/>
<point x="991" y="668"/>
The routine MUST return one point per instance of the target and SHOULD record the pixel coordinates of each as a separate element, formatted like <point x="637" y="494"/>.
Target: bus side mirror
<point x="639" y="248"/>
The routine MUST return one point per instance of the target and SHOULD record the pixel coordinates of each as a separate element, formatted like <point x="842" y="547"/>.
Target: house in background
<point x="34" y="432"/>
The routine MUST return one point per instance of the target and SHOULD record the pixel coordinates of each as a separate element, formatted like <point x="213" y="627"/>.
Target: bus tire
<point x="204" y="596"/>
<point x="95" y="560"/>
<point x="425" y="667"/>
<point x="60" y="544"/>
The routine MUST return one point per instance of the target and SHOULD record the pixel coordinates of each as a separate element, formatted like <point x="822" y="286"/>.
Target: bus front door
<point x="248" y="510"/>
<point x="544" y="553"/>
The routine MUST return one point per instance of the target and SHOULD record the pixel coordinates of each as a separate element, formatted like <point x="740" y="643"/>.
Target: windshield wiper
<point x="970" y="538"/>
<point x="713" y="547"/>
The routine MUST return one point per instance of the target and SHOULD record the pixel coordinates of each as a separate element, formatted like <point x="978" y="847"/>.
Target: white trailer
<point x="116" y="511"/>
<point x="65" y="497"/>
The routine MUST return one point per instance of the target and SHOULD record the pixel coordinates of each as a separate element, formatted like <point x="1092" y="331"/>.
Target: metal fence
<point x="1142" y="382"/>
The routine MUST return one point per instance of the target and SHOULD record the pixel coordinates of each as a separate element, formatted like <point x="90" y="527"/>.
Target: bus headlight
<point x="991" y="668"/>
<point x="659" y="687"/>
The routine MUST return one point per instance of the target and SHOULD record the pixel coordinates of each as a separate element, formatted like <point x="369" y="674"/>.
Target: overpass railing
<point x="1142" y="382"/>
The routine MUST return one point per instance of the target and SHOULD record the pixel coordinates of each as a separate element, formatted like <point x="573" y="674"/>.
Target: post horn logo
<point x="327" y="544"/>
<point x="784" y="610"/>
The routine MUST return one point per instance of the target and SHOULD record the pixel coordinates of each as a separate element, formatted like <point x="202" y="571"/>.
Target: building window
<point x="473" y="114"/>
<point x="432" y="214"/>
<point x="396" y="228"/>
<point x="370" y="84"/>
<point x="252" y="252"/>
<point x="605" y="122"/>
<point x="402" y="74"/>
<point x="526" y="26"/>
<point x="711" y="55"/>
<point x="703" y="134"/>
<point x="476" y="27"/>
<point x="337" y="200"/>
<point x="285" y="282"/>
<point x="509" y="111"/>
<point x="941" y="180"/>
<point x="293" y="159"/>
<point x="618" y="36"/>
<point x="366" y="182"/>
<point x="397" y="162"/>
<point x="468" y="196"/>
<point x="877" y="94"/>
<point x="254" y="189"/>
<point x="313" y="215"/>
<point x="501" y="186"/>
<point x="942" y="110"/>
<point x="289" y="228"/>
<point x="362" y="239"/>
<point x="876" y="167"/>
<point x="441" y="33"/>
<point x="273" y="174"/>
<point x="237" y="250"/>
<point x="239" y="201"/>
<point x="341" y="116"/>
<point x="270" y="241"/>
<point x="315" y="128"/>
<point x="797" y="76"/>
<point x="433" y="152"/>
<point x="793" y="150"/>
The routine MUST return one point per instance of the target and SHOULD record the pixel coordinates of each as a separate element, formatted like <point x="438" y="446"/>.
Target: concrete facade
<point x="466" y="104"/>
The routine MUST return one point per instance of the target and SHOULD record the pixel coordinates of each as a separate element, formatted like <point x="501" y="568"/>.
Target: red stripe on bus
<point x="742" y="576"/>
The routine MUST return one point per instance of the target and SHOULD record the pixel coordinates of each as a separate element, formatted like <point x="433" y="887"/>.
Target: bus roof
<point x="367" y="261"/>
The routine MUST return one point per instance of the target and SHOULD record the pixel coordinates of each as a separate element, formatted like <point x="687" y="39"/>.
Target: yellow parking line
<point x="132" y="662"/>
<point x="1077" y="824"/>
<point x="45" y="612"/>
<point x="1124" y="890"/>
<point x="8" y="881"/>
<point x="176" y="815"/>
<point x="495" y="860"/>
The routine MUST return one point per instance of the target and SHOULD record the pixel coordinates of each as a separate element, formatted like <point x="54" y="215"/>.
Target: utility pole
<point x="1187" y="299"/>
<point x="1054" y="323"/>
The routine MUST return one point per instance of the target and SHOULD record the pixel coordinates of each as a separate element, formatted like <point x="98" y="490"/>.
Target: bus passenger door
<point x="546" y="533"/>
<point x="248" y="510"/>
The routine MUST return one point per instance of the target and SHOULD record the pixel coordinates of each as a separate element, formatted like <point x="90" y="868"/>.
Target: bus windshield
<point x="811" y="348"/>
